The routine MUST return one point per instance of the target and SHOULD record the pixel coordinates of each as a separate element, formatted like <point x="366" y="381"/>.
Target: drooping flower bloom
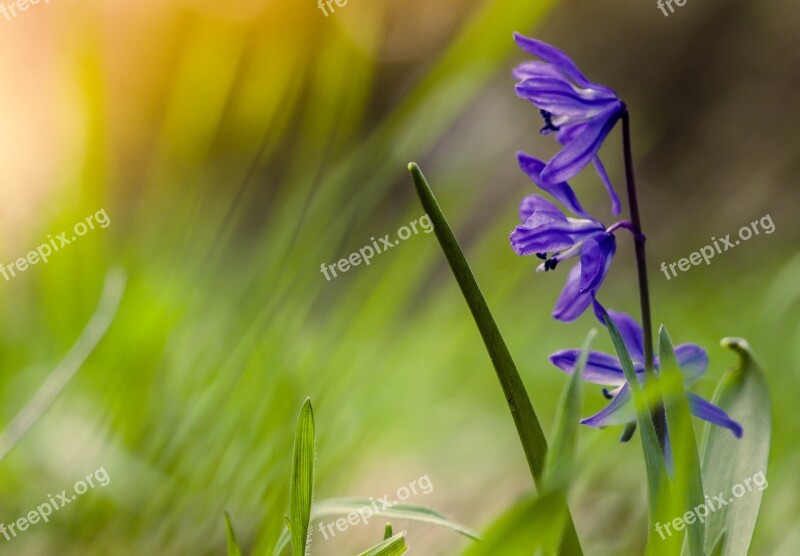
<point x="606" y="370"/>
<point x="579" y="112"/>
<point x="546" y="232"/>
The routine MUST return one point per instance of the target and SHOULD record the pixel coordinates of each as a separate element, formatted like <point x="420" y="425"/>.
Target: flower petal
<point x="631" y="333"/>
<point x="561" y="191"/>
<point x="536" y="68"/>
<point x="601" y="171"/>
<point x="707" y="411"/>
<point x="619" y="412"/>
<point x="558" y="58"/>
<point x="601" y="368"/>
<point x="532" y="203"/>
<point x="693" y="361"/>
<point x="571" y="302"/>
<point x="583" y="148"/>
<point x="596" y="257"/>
<point x="557" y="96"/>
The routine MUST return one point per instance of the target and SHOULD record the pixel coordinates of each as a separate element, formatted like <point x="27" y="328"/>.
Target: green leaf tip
<point x="233" y="544"/>
<point x="301" y="484"/>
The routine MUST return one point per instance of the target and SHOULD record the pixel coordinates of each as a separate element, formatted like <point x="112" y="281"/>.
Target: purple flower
<point x="606" y="370"/>
<point x="579" y="112"/>
<point x="552" y="236"/>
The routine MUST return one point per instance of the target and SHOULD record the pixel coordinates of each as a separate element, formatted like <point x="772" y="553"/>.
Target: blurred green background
<point x="236" y="147"/>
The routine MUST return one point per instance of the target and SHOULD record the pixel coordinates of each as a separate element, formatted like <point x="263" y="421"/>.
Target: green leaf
<point x="368" y="509"/>
<point x="302" y="481"/>
<point x="728" y="461"/>
<point x="657" y="481"/>
<point x="387" y="531"/>
<point x="688" y="483"/>
<point x="393" y="546"/>
<point x="531" y="526"/>
<point x="233" y="544"/>
<point x="560" y="458"/>
<point x="528" y="427"/>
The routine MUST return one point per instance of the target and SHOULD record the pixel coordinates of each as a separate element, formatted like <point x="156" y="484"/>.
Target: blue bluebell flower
<point x="546" y="232"/>
<point x="606" y="370"/>
<point x="579" y="112"/>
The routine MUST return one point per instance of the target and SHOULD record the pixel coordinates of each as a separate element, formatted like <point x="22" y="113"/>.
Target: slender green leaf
<point x="688" y="483"/>
<point x="368" y="509"/>
<point x="560" y="458"/>
<point x="657" y="480"/>
<point x="528" y="427"/>
<point x="728" y="461"/>
<point x="233" y="544"/>
<point x="531" y="526"/>
<point x="393" y="546"/>
<point x="302" y="482"/>
<point x="387" y="532"/>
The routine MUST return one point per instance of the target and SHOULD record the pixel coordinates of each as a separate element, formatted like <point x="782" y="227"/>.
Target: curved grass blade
<point x="531" y="526"/>
<point x="233" y="544"/>
<point x="365" y="506"/>
<point x="66" y="369"/>
<point x="560" y="459"/>
<point x="393" y="546"/>
<point x="302" y="481"/>
<point x="657" y="482"/>
<point x="688" y="484"/>
<point x="728" y="461"/>
<point x="528" y="427"/>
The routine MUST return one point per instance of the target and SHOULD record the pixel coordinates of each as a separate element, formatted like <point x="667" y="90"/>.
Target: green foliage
<point x="233" y="544"/>
<point x="393" y="546"/>
<point x="301" y="487"/>
<point x="728" y="461"/>
<point x="687" y="483"/>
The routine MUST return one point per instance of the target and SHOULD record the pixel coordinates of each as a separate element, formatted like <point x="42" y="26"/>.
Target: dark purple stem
<point x="641" y="267"/>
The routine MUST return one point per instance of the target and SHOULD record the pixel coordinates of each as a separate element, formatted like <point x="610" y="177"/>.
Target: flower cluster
<point x="581" y="114"/>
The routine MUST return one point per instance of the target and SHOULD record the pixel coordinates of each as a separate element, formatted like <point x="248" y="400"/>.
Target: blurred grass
<point x="235" y="155"/>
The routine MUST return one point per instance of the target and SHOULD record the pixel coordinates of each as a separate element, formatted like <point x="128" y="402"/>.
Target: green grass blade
<point x="387" y="532"/>
<point x="728" y="461"/>
<point x="393" y="546"/>
<point x="653" y="458"/>
<point x="688" y="483"/>
<point x="560" y="458"/>
<point x="302" y="482"/>
<point x="233" y="544"/>
<point x="411" y="512"/>
<point x="528" y="427"/>
<point x="531" y="526"/>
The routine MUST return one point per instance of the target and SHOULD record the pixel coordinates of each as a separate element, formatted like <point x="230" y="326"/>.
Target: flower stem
<point x="641" y="267"/>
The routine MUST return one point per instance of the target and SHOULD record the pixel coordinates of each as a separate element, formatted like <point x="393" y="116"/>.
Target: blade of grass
<point x="233" y="544"/>
<point x="688" y="482"/>
<point x="393" y="546"/>
<point x="302" y="482"/>
<point x="560" y="458"/>
<point x="66" y="369"/>
<point x="653" y="458"/>
<point x="528" y="427"/>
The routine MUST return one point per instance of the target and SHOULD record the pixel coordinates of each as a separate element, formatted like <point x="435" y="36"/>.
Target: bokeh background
<point x="236" y="146"/>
